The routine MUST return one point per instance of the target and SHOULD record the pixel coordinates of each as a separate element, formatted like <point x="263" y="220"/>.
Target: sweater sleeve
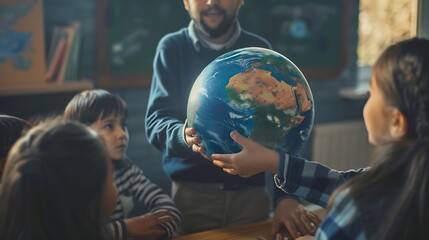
<point x="154" y="199"/>
<point x="165" y="116"/>
<point x="312" y="181"/>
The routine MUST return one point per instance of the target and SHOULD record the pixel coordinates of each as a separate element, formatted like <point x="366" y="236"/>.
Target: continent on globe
<point x="260" y="86"/>
<point x="257" y="92"/>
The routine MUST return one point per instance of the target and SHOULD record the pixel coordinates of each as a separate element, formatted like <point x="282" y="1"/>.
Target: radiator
<point x="341" y="145"/>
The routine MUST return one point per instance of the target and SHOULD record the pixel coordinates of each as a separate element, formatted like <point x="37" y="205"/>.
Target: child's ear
<point x="399" y="124"/>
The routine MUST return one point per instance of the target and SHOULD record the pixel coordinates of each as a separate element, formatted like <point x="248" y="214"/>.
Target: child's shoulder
<point x="127" y="165"/>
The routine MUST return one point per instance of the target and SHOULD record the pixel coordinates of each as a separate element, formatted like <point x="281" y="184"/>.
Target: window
<point x="381" y="23"/>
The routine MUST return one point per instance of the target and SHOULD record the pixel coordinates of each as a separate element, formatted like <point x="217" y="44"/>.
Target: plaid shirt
<point x="315" y="183"/>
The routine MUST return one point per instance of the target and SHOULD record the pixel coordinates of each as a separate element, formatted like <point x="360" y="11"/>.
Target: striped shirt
<point x="315" y="183"/>
<point x="116" y="230"/>
<point x="132" y="187"/>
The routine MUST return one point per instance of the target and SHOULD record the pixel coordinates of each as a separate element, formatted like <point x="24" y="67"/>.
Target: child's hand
<point x="253" y="159"/>
<point x="293" y="216"/>
<point x="148" y="226"/>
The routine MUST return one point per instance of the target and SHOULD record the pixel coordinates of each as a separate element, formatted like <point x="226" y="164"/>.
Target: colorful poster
<point x="22" y="50"/>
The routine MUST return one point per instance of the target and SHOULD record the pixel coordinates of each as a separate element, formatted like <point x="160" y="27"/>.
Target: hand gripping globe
<point x="257" y="92"/>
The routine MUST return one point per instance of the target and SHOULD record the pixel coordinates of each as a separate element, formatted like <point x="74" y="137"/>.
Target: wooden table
<point x="254" y="231"/>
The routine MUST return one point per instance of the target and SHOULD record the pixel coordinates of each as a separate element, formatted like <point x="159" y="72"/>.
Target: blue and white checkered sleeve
<point x="342" y="221"/>
<point x="310" y="180"/>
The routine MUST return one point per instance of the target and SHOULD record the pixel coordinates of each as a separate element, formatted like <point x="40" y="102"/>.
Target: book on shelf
<point x="64" y="54"/>
<point x="52" y="47"/>
<point x="56" y="54"/>
<point x="72" y="63"/>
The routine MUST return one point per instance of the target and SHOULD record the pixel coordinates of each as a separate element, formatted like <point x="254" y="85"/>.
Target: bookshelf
<point x="38" y="99"/>
<point x="44" y="88"/>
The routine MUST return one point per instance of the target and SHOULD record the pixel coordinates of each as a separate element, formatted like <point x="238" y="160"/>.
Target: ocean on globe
<point x="257" y="92"/>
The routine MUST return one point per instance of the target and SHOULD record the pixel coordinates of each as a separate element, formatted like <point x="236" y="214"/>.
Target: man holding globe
<point x="207" y="197"/>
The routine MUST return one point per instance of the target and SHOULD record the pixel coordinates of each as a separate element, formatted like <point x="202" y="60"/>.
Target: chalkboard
<point x="129" y="31"/>
<point x="311" y="33"/>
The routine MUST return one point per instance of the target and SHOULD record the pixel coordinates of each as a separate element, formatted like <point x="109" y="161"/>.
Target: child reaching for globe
<point x="107" y="114"/>
<point x="387" y="200"/>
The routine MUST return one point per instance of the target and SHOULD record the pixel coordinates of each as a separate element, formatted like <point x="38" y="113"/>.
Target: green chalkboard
<point x="311" y="33"/>
<point x="129" y="31"/>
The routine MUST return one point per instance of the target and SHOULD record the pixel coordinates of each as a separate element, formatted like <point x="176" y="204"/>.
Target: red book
<point x="57" y="59"/>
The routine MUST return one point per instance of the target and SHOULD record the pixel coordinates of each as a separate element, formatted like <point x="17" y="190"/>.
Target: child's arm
<point x="312" y="181"/>
<point x="148" y="226"/>
<point x="116" y="230"/>
<point x="154" y="199"/>
<point x="307" y="237"/>
<point x="294" y="175"/>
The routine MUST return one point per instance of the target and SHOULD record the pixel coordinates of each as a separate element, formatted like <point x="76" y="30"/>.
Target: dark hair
<point x="11" y="129"/>
<point x="54" y="184"/>
<point x="91" y="105"/>
<point x="402" y="74"/>
<point x="397" y="186"/>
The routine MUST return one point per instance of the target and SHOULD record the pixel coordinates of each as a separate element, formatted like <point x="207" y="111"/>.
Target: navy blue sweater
<point x="176" y="66"/>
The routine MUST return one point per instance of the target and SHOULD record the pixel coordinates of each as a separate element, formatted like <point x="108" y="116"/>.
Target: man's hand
<point x="194" y="141"/>
<point x="148" y="226"/>
<point x="295" y="217"/>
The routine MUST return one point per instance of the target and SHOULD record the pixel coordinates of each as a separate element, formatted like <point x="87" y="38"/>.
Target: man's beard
<point x="223" y="27"/>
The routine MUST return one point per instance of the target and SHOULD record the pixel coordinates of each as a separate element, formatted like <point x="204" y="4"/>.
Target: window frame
<point x="361" y="88"/>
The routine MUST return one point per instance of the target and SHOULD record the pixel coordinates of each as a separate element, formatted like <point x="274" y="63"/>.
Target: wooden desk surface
<point x="254" y="231"/>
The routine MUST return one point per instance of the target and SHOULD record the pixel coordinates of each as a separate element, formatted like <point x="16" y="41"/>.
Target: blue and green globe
<point x="257" y="92"/>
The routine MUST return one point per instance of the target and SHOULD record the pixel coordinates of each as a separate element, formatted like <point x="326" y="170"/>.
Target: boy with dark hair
<point x="107" y="114"/>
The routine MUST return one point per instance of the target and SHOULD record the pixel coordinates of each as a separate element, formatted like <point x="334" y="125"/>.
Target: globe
<point x="257" y="92"/>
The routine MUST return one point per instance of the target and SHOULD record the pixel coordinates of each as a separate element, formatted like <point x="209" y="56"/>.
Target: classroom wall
<point x="329" y="106"/>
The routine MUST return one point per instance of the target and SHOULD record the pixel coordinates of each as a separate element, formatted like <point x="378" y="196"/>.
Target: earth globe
<point x="257" y="92"/>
